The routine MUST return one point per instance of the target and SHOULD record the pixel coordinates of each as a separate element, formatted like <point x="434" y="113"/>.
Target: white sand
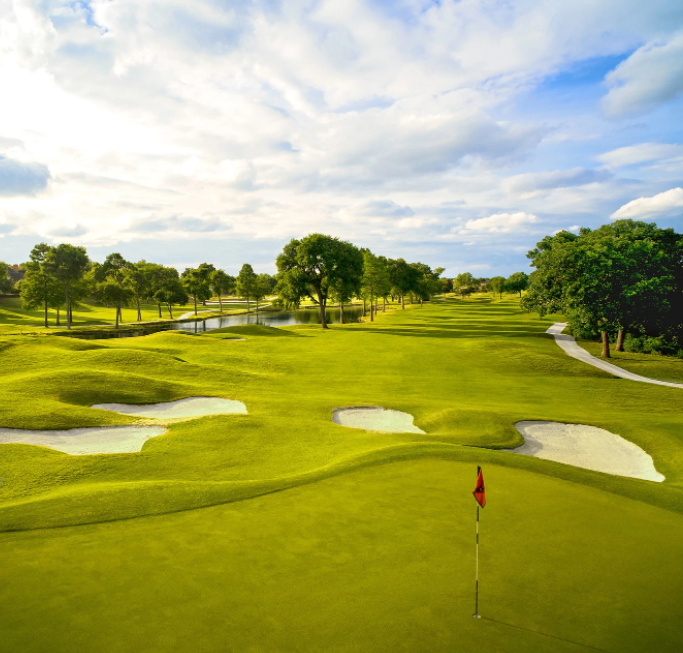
<point x="374" y="418"/>
<point x="91" y="440"/>
<point x="588" y="447"/>
<point x="192" y="407"/>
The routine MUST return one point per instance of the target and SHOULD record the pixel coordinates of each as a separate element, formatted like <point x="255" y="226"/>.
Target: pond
<point x="273" y="319"/>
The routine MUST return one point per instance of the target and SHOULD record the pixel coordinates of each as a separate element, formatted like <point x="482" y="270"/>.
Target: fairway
<point x="281" y="530"/>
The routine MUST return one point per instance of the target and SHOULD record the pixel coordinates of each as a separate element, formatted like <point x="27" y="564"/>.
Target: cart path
<point x="568" y="343"/>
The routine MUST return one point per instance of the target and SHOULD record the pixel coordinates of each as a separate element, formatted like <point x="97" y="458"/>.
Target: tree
<point x="517" y="282"/>
<point x="375" y="281"/>
<point x="196" y="282"/>
<point x="221" y="283"/>
<point x="170" y="290"/>
<point x="464" y="284"/>
<point x="621" y="276"/>
<point x="138" y="280"/>
<point x="110" y="291"/>
<point x="39" y="288"/>
<point x="314" y="266"/>
<point x="496" y="285"/>
<point x="156" y="274"/>
<point x="68" y="264"/>
<point x="428" y="282"/>
<point x="246" y="283"/>
<point x="6" y="282"/>
<point x="115" y="270"/>
<point x="403" y="278"/>
<point x="261" y="288"/>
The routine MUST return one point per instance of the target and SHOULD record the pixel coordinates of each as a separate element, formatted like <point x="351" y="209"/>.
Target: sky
<point x="457" y="134"/>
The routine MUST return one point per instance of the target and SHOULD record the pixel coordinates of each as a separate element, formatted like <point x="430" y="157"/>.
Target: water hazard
<point x="273" y="319"/>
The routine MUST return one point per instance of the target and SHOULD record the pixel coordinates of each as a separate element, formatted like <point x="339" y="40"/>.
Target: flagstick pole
<point x="476" y="614"/>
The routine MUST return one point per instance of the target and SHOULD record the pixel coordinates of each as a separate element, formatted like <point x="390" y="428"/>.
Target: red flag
<point x="479" y="492"/>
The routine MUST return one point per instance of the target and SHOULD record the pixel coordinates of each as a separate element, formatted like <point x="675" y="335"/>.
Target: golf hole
<point x="374" y="418"/>
<point x="588" y="447"/>
<point x="182" y="408"/>
<point x="86" y="441"/>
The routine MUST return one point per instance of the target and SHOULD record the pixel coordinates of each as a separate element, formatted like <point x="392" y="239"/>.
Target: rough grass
<point x="325" y="538"/>
<point x="656" y="366"/>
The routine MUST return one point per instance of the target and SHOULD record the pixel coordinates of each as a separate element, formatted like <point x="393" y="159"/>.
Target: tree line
<point x="318" y="267"/>
<point x="62" y="277"/>
<point x="327" y="270"/>
<point x="466" y="283"/>
<point x="622" y="282"/>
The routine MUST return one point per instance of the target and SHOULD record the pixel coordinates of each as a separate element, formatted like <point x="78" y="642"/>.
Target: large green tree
<point x="68" y="264"/>
<point x="221" y="284"/>
<point x="464" y="283"/>
<point x="314" y="266"/>
<point x="196" y="282"/>
<point x="169" y="290"/>
<point x="403" y="278"/>
<point x="113" y="272"/>
<point x="38" y="287"/>
<point x="375" y="282"/>
<point x="517" y="282"/>
<point x="496" y="285"/>
<point x="246" y="283"/>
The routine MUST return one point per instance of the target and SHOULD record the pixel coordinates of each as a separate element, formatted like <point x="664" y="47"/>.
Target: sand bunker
<point x="588" y="447"/>
<point x="85" y="441"/>
<point x="183" y="408"/>
<point x="373" y="418"/>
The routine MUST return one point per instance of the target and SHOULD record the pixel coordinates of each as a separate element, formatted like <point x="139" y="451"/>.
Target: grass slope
<point x="328" y="538"/>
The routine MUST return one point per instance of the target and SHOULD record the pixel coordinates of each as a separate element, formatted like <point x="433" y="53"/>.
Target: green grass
<point x="281" y="531"/>
<point x="13" y="316"/>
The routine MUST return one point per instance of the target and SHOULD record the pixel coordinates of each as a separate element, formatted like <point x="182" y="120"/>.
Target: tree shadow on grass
<point x="538" y="632"/>
<point x="454" y="332"/>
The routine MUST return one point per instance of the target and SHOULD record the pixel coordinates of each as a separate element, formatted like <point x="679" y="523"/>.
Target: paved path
<point x="568" y="343"/>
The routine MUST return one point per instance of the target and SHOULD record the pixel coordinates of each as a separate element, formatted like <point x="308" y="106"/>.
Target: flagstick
<point x="476" y="614"/>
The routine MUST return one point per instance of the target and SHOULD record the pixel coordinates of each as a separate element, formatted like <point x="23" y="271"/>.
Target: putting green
<point x="270" y="532"/>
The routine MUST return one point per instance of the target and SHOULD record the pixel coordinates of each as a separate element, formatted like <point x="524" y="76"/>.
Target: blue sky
<point x="454" y="133"/>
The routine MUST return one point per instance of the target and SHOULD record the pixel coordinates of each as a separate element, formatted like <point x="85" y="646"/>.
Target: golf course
<point x="275" y="527"/>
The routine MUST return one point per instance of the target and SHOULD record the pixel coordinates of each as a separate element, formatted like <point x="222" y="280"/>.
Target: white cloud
<point x="170" y="120"/>
<point x="641" y="153"/>
<point x="500" y="223"/>
<point x="651" y="76"/>
<point x="664" y="204"/>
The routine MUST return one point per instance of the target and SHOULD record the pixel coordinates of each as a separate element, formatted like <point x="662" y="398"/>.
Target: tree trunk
<point x="46" y="324"/>
<point x="411" y="298"/>
<point x="195" y="304"/>
<point x="605" y="345"/>
<point x="118" y="314"/>
<point x="420" y="302"/>
<point x="384" y="304"/>
<point x="139" y="312"/>
<point x="58" y="323"/>
<point x="220" y="302"/>
<point x="159" y="305"/>
<point x="323" y="306"/>
<point x="257" y="300"/>
<point x="68" y="304"/>
<point x="403" y="302"/>
<point x="364" y="308"/>
<point x="341" y="312"/>
<point x="248" y="306"/>
<point x="620" y="341"/>
<point x="372" y="306"/>
<point x="170" y="312"/>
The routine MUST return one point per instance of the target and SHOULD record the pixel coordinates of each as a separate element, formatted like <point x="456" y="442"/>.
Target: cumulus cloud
<point x="500" y="223"/>
<point x="19" y="178"/>
<point x="651" y="76"/>
<point x="641" y="153"/>
<point x="190" y="119"/>
<point x="661" y="205"/>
